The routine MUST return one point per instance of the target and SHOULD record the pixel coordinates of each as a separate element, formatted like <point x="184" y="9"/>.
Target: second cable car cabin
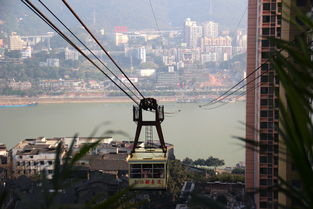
<point x="148" y="164"/>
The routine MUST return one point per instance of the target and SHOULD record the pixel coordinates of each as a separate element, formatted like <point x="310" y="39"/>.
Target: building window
<point x="266" y="19"/>
<point x="264" y="102"/>
<point x="279" y="19"/>
<point x="265" y="66"/>
<point x="270" y="137"/>
<point x="263" y="159"/>
<point x="273" y="6"/>
<point x="270" y="171"/>
<point x="264" y="90"/>
<point x="263" y="193"/>
<point x="276" y="148"/>
<point x="264" y="78"/>
<point x="263" y="148"/>
<point x="42" y="162"/>
<point x="263" y="170"/>
<point x="265" y="31"/>
<point x="275" y="171"/>
<point x="276" y="137"/>
<point x="263" y="125"/>
<point x="263" y="136"/>
<point x="278" y="31"/>
<point x="265" y="55"/>
<point x="265" y="43"/>
<point x="266" y="6"/>
<point x="50" y="162"/>
<point x="263" y="182"/>
<point x="263" y="205"/>
<point x="263" y="113"/>
<point x="276" y="80"/>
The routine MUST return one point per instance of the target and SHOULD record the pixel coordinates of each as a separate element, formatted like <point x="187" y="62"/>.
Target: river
<point x="195" y="132"/>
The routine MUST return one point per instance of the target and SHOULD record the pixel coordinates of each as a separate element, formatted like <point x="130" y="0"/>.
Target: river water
<point x="195" y="132"/>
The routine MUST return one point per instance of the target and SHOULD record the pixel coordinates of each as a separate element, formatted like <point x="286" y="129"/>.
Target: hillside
<point x="136" y="14"/>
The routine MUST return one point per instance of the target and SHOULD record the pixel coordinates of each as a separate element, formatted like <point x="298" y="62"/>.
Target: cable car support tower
<point x="149" y="104"/>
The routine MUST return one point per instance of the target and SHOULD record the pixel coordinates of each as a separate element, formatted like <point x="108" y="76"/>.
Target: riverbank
<point x="9" y="100"/>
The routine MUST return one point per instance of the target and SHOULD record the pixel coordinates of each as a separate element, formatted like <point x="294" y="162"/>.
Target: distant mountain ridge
<point x="135" y="14"/>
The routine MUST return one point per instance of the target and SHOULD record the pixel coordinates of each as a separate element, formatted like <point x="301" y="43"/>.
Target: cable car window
<point x="135" y="171"/>
<point x="158" y="171"/>
<point x="147" y="171"/>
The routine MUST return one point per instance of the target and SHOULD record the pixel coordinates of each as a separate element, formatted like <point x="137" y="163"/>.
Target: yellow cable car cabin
<point x="148" y="169"/>
<point x="148" y="164"/>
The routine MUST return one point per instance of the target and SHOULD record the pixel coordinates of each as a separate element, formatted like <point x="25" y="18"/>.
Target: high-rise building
<point x="141" y="54"/>
<point x="210" y="29"/>
<point x="263" y="167"/>
<point x="15" y="42"/>
<point x="70" y="54"/>
<point x="121" y="38"/>
<point x="192" y="33"/>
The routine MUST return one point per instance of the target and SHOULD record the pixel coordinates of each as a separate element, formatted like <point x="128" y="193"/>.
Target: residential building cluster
<point x="154" y="60"/>
<point x="32" y="156"/>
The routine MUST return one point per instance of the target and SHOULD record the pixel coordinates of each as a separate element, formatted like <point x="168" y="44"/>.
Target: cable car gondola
<point x="148" y="165"/>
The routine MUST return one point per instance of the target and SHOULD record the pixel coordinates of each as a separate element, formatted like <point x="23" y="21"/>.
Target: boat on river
<point x="19" y="105"/>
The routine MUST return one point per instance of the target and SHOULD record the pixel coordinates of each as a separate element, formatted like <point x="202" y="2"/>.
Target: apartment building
<point x="264" y="167"/>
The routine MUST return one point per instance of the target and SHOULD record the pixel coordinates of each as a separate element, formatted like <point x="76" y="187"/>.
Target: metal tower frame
<point x="149" y="104"/>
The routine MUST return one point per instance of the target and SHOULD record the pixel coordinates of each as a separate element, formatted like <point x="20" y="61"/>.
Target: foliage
<point x="200" y="162"/>
<point x="295" y="74"/>
<point x="52" y="190"/>
<point x="209" y="162"/>
<point x="204" y="202"/>
<point x="9" y="91"/>
<point x="240" y="171"/>
<point x="177" y="176"/>
<point x="212" y="161"/>
<point x="187" y="161"/>
<point x="226" y="177"/>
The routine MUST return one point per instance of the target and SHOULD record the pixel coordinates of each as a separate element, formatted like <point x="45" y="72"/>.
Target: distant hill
<point x="135" y="14"/>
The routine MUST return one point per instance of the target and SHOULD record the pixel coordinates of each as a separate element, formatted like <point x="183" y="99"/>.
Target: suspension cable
<point x="221" y="97"/>
<point x="60" y="21"/>
<point x="99" y="44"/>
<point x="56" y="29"/>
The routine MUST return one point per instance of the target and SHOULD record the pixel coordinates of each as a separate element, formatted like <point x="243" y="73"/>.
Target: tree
<point x="200" y="162"/>
<point x="187" y="161"/>
<point x="240" y="171"/>
<point x="212" y="161"/>
<point x="178" y="175"/>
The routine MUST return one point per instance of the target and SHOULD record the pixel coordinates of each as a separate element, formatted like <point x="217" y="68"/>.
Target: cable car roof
<point x="149" y="155"/>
